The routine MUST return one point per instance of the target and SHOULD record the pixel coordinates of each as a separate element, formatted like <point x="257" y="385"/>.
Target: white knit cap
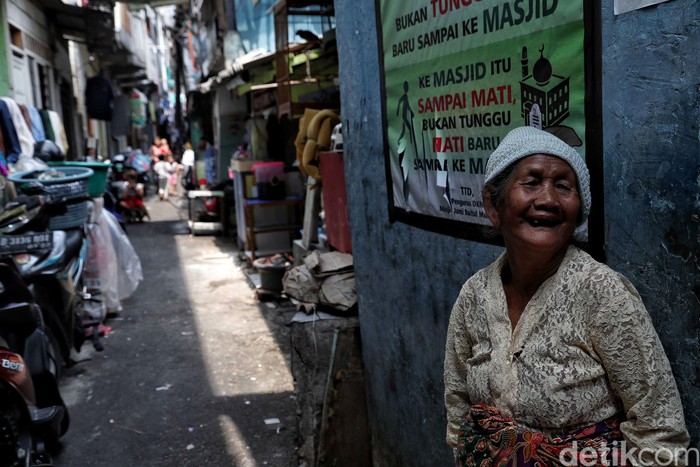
<point x="526" y="141"/>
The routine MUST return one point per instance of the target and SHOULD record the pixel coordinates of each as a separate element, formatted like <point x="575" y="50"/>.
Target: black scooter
<point x="33" y="415"/>
<point x="50" y="262"/>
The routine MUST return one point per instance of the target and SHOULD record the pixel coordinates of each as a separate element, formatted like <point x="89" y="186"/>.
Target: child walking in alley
<point x="162" y="169"/>
<point x="174" y="170"/>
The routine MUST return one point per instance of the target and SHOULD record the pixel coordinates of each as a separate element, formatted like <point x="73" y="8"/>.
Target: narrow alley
<point x="421" y="227"/>
<point x="192" y="368"/>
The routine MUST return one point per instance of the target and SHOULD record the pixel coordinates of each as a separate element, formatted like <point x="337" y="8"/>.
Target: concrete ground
<point x="195" y="370"/>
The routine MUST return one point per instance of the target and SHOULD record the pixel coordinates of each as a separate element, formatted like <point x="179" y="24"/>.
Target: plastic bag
<point x="99" y="273"/>
<point x="129" y="273"/>
<point x="26" y="162"/>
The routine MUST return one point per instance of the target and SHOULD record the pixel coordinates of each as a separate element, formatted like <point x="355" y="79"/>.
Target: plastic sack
<point x="300" y="284"/>
<point x="129" y="273"/>
<point x="26" y="162"/>
<point x="99" y="273"/>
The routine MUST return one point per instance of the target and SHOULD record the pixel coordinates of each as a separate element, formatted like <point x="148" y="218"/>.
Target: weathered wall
<point x="407" y="278"/>
<point x="4" y="72"/>
<point x="651" y="119"/>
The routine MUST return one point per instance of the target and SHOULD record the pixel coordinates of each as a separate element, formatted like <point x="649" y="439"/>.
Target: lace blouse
<point x="583" y="350"/>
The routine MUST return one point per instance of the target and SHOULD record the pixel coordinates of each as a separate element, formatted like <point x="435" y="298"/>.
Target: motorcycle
<point x="33" y="415"/>
<point x="52" y="269"/>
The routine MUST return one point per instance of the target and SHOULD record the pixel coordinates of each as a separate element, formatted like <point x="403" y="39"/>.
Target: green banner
<point x="458" y="75"/>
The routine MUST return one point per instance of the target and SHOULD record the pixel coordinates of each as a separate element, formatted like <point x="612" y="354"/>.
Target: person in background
<point x="549" y="352"/>
<point x="133" y="195"/>
<point x="165" y="148"/>
<point x="188" y="178"/>
<point x="162" y="170"/>
<point x="154" y="152"/>
<point x="174" y="171"/>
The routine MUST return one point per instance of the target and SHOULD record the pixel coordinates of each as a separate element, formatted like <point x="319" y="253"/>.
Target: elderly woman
<point x="548" y="351"/>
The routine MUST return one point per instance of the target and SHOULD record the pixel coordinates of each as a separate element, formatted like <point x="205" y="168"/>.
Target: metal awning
<point x="92" y="26"/>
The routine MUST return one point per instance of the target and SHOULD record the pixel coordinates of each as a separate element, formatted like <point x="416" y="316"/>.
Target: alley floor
<point x="195" y="370"/>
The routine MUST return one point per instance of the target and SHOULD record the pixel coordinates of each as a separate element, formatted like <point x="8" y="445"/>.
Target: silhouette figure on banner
<point x="407" y="114"/>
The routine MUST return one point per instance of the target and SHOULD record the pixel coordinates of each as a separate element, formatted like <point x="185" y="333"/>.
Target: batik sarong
<point x="488" y="438"/>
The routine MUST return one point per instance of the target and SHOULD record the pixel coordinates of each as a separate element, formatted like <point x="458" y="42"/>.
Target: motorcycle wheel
<point x="15" y="433"/>
<point x="55" y="357"/>
<point x="56" y="362"/>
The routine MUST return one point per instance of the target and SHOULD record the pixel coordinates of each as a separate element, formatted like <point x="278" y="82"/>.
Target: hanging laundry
<point x="25" y="114"/>
<point x="3" y="165"/>
<point x="58" y="131"/>
<point x="26" y="140"/>
<point x="2" y="143"/>
<point x="48" y="128"/>
<point x="9" y="135"/>
<point x="137" y="107"/>
<point x="37" y="124"/>
<point x="98" y="98"/>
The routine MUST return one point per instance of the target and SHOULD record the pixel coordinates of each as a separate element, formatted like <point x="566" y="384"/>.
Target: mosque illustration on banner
<point x="544" y="98"/>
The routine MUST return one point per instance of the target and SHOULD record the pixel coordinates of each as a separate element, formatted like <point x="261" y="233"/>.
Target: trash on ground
<point x="273" y="423"/>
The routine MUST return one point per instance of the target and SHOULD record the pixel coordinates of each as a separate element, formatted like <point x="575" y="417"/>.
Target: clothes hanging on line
<point x="24" y="134"/>
<point x="46" y="120"/>
<point x="98" y="98"/>
<point x="9" y="135"/>
<point x="37" y="124"/>
<point x="21" y="127"/>
<point x="58" y="131"/>
<point x="25" y="114"/>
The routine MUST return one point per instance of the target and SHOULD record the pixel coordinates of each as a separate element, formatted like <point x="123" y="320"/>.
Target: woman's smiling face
<point x="541" y="206"/>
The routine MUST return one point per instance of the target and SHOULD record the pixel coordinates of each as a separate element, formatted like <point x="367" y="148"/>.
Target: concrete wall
<point x="228" y="114"/>
<point x="4" y="52"/>
<point x="651" y="119"/>
<point x="408" y="279"/>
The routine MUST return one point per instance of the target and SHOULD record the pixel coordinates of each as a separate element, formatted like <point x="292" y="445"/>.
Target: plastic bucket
<point x="271" y="274"/>
<point x="64" y="182"/>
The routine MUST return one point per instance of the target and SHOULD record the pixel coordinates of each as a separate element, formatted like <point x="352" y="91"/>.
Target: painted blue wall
<point x="651" y="120"/>
<point x="408" y="279"/>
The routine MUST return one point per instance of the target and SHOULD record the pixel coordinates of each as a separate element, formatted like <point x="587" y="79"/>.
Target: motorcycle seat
<point x="14" y="289"/>
<point x="74" y="242"/>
